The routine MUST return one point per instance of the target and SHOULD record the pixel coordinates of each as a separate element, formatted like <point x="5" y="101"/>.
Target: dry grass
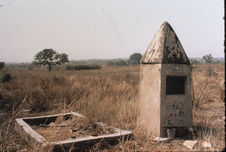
<point x="61" y="129"/>
<point x="108" y="95"/>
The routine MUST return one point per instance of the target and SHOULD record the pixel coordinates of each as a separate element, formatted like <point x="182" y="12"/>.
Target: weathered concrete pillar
<point x="165" y="85"/>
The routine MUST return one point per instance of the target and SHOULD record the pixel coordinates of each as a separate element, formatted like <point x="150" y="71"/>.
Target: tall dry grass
<point x="108" y="95"/>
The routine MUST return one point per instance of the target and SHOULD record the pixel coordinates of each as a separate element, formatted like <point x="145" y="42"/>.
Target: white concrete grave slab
<point x="23" y="127"/>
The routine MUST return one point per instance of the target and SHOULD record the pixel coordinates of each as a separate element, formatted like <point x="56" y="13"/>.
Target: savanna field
<point x="109" y="95"/>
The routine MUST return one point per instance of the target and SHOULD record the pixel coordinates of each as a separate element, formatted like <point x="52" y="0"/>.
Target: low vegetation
<point x="83" y="67"/>
<point x="2" y="64"/>
<point x="108" y="95"/>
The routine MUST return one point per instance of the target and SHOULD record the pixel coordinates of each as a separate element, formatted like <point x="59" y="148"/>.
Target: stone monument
<point x="165" y="86"/>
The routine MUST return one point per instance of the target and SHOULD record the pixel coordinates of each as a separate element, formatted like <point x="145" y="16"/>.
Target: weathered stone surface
<point x="165" y="48"/>
<point x="150" y="98"/>
<point x="176" y="109"/>
<point x="159" y="109"/>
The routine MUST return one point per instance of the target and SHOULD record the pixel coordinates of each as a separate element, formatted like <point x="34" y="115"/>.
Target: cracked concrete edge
<point x="54" y="115"/>
<point x="91" y="139"/>
<point x="28" y="133"/>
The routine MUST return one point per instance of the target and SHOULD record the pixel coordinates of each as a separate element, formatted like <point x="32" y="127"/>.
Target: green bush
<point x="6" y="78"/>
<point x="2" y="65"/>
<point x="135" y="58"/>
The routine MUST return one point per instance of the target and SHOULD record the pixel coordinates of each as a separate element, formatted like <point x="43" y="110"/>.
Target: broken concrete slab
<point x="158" y="139"/>
<point x="206" y="144"/>
<point x="23" y="127"/>
<point x="190" y="143"/>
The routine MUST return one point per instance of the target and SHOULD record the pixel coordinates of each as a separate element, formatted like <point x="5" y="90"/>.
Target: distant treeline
<point x="83" y="67"/>
<point x="200" y="60"/>
<point x="126" y="62"/>
<point x="105" y="62"/>
<point x="94" y="63"/>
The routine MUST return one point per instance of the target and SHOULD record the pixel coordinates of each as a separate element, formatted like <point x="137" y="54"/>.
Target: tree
<point x="50" y="57"/>
<point x="135" y="58"/>
<point x="208" y="58"/>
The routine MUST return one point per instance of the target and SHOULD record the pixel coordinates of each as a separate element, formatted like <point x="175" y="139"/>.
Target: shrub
<point x="6" y="78"/>
<point x="37" y="100"/>
<point x="208" y="58"/>
<point x="135" y="58"/>
<point x="2" y="64"/>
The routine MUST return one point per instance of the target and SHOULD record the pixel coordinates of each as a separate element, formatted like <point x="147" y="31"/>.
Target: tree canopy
<point x="208" y="58"/>
<point x="135" y="58"/>
<point x="50" y="57"/>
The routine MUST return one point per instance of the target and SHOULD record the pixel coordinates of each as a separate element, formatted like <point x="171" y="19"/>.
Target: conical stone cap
<point x="165" y="48"/>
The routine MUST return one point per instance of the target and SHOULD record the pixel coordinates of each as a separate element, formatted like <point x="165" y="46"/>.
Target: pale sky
<point x="106" y="29"/>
